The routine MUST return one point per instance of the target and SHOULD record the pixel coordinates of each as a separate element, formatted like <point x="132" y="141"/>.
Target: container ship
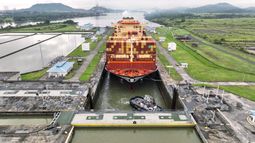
<point x="130" y="53"/>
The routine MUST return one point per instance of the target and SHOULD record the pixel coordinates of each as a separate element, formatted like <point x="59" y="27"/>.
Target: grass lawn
<point x="34" y="75"/>
<point x="231" y="29"/>
<point x="78" y="52"/>
<point x="53" y="27"/>
<point x="93" y="64"/>
<point x="201" y="68"/>
<point x="243" y="91"/>
<point x="165" y="63"/>
<point x="237" y="33"/>
<point x="247" y="92"/>
<point x="224" y="58"/>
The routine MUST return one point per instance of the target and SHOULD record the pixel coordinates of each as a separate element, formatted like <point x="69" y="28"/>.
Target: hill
<point x="216" y="8"/>
<point x="250" y="9"/>
<point x="52" y="7"/>
<point x="99" y="9"/>
<point x="59" y="7"/>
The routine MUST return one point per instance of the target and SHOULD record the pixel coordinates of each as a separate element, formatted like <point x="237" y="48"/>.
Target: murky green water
<point x="135" y="135"/>
<point x="25" y="120"/>
<point x="115" y="94"/>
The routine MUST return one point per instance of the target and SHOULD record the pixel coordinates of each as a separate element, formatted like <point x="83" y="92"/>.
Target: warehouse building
<point x="60" y="69"/>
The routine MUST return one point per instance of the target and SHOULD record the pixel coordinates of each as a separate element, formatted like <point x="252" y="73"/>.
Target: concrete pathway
<point x="87" y="61"/>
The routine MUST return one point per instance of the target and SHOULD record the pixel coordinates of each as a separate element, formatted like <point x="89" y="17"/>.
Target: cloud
<point x="123" y="4"/>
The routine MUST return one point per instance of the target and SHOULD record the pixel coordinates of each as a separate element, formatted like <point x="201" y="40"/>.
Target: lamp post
<point x="40" y="46"/>
<point x="169" y="67"/>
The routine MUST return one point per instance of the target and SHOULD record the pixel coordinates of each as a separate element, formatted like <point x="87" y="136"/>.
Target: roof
<point x="60" y="67"/>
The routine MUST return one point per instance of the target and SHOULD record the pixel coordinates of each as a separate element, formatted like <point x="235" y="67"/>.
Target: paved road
<point x="87" y="61"/>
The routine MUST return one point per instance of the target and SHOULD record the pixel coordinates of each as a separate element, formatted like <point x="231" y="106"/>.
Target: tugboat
<point x="146" y="103"/>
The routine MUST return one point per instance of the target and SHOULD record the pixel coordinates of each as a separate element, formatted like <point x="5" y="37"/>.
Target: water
<point x="25" y="120"/>
<point x="115" y="95"/>
<point x="135" y="135"/>
<point x="30" y="59"/>
<point x="99" y="21"/>
<point x="110" y="18"/>
<point x="22" y="43"/>
<point x="8" y="38"/>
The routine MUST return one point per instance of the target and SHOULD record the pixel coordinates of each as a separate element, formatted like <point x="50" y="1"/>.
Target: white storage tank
<point x="172" y="46"/>
<point x="85" y="47"/>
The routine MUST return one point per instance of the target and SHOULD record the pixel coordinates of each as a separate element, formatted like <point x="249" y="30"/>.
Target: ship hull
<point x="131" y="71"/>
<point x="130" y="53"/>
<point x="129" y="78"/>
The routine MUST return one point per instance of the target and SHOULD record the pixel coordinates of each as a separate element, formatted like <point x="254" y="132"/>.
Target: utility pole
<point x="40" y="46"/>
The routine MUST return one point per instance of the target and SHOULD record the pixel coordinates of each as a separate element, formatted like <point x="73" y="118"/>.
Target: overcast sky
<point x="123" y="4"/>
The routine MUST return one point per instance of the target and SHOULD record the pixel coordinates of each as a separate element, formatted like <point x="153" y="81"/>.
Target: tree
<point x="217" y="41"/>
<point x="1" y="20"/>
<point x="70" y="22"/>
<point x="8" y="20"/>
<point x="46" y="22"/>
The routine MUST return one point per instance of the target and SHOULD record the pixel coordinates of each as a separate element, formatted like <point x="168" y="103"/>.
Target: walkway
<point x="172" y="119"/>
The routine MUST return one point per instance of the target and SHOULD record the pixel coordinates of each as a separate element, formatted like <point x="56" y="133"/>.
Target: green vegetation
<point x="78" y="51"/>
<point x="243" y="91"/>
<point x="34" y="75"/>
<point x="201" y="68"/>
<point x="35" y="16"/>
<point x="247" y="92"/>
<point x="220" y="55"/>
<point x="92" y="66"/>
<point x="235" y="32"/>
<point x="165" y="63"/>
<point x="53" y="27"/>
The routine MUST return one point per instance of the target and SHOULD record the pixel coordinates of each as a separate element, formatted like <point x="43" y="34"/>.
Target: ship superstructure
<point x="130" y="53"/>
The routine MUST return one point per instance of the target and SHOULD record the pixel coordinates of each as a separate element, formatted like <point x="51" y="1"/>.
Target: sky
<point x="123" y="4"/>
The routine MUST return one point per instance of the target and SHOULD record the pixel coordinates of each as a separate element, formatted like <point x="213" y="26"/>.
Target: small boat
<point x="146" y="103"/>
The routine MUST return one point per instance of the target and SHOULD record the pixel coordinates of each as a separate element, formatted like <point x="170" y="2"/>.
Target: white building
<point x="172" y="46"/>
<point x="101" y="31"/>
<point x="87" y="26"/>
<point x="86" y="47"/>
<point x="162" y="39"/>
<point x="151" y="29"/>
<point x="184" y="65"/>
<point x="94" y="38"/>
<point x="60" y="69"/>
